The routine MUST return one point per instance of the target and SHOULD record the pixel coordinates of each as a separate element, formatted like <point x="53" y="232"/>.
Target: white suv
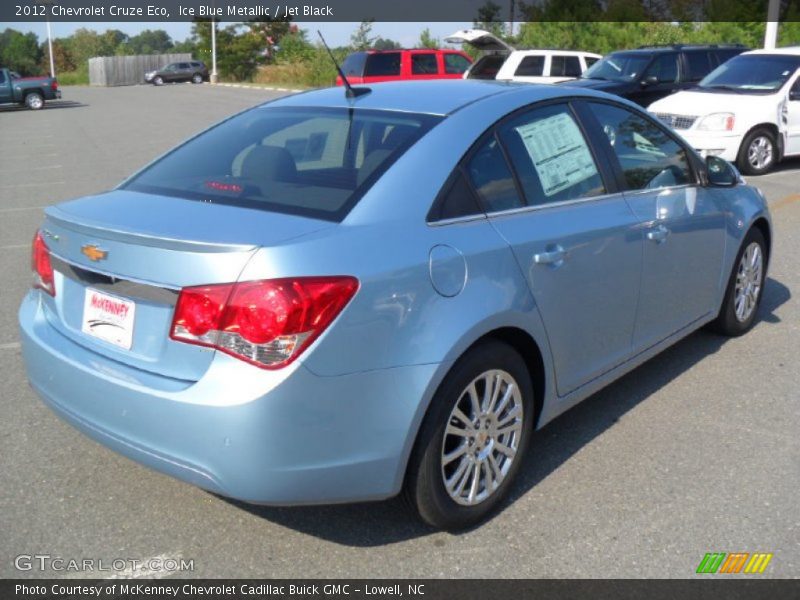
<point x="503" y="62"/>
<point x="747" y="110"/>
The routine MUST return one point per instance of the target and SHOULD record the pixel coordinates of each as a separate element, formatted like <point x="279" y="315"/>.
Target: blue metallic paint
<point x="339" y="424"/>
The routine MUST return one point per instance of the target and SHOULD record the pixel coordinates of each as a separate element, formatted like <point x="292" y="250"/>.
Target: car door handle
<point x="658" y="234"/>
<point x="552" y="257"/>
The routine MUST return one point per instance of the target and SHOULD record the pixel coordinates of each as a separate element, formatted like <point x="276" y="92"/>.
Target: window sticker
<point x="558" y="152"/>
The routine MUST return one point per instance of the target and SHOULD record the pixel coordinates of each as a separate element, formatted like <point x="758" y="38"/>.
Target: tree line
<point x="277" y="51"/>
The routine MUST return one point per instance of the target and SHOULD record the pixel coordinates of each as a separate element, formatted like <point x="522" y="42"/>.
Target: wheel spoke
<point x="458" y="452"/>
<point x="476" y="478"/>
<point x="509" y="452"/>
<point x="458" y="477"/>
<point x="509" y="393"/>
<point x="458" y="414"/>
<point x="474" y="401"/>
<point x="512" y="414"/>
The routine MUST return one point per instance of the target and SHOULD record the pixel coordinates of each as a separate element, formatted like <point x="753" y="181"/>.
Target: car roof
<point x="544" y="51"/>
<point x="787" y="51"/>
<point x="435" y="97"/>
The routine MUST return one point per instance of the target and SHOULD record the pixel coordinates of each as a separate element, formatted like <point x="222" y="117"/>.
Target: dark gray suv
<point x="194" y="71"/>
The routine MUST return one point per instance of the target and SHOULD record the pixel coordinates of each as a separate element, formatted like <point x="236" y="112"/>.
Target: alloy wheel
<point x="482" y="437"/>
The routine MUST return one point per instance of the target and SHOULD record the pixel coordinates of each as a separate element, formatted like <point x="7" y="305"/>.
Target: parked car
<point x="501" y="61"/>
<point x="373" y="66"/>
<point x="194" y="71"/>
<point x="653" y="72"/>
<point x="32" y="92"/>
<point x="333" y="298"/>
<point x="746" y="111"/>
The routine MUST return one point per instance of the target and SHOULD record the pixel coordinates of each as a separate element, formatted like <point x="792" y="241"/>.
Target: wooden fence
<point x="128" y="70"/>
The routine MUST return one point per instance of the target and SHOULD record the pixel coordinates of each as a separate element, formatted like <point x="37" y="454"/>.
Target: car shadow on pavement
<point x="388" y="522"/>
<point x="47" y="106"/>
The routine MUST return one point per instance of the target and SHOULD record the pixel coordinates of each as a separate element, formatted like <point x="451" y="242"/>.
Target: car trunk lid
<point x="122" y="257"/>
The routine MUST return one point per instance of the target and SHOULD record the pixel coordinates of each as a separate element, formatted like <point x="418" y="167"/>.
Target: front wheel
<point x="34" y="101"/>
<point x="758" y="153"/>
<point x="197" y="78"/>
<point x="745" y="286"/>
<point x="158" y="81"/>
<point x="473" y="439"/>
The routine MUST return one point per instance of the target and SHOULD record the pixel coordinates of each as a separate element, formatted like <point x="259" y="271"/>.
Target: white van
<point x="503" y="62"/>
<point x="746" y="111"/>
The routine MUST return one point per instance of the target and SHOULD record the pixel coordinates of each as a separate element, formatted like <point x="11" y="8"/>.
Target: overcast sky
<point x="336" y="34"/>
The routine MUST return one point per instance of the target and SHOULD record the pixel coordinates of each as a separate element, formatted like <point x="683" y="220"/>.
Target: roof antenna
<point x="351" y="91"/>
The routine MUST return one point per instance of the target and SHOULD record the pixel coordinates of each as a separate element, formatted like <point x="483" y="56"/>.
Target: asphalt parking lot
<point x="696" y="451"/>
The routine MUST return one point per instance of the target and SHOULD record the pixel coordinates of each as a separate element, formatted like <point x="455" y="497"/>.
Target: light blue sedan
<point x="333" y="299"/>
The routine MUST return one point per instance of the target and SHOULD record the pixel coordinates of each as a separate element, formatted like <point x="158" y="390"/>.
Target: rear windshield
<point x="353" y="65"/>
<point x="314" y="162"/>
<point x="486" y="67"/>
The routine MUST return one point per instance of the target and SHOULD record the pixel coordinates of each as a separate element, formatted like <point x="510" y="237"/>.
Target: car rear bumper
<point x="258" y="436"/>
<point x="723" y="144"/>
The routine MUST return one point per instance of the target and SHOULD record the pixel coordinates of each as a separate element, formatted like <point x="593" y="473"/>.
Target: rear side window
<point x="184" y="66"/>
<point x="384" y="64"/>
<point x="197" y="65"/>
<point x="455" y="64"/>
<point x="699" y="64"/>
<point x="565" y="66"/>
<point x="492" y="178"/>
<point x="649" y="157"/>
<point x="314" y="162"/>
<point x="590" y="60"/>
<point x="486" y="67"/>
<point x="530" y="66"/>
<point x="2" y="77"/>
<point x="455" y="200"/>
<point x="353" y="65"/>
<point x="424" y="64"/>
<point x="551" y="157"/>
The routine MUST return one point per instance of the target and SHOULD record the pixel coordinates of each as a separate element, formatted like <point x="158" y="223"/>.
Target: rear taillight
<point x="54" y="85"/>
<point x="267" y="323"/>
<point x="41" y="266"/>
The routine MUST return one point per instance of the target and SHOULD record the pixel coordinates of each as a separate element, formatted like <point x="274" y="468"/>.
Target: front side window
<point x="455" y="64"/>
<point x="530" y="66"/>
<point x="565" y="66"/>
<point x="423" y="64"/>
<point x="551" y="157"/>
<point x="620" y="66"/>
<point x="308" y="161"/>
<point x="664" y="68"/>
<point x="383" y="64"/>
<point x="649" y="157"/>
<point x="2" y="77"/>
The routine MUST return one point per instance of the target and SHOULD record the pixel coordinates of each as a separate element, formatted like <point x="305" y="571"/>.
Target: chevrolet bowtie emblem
<point x="93" y="253"/>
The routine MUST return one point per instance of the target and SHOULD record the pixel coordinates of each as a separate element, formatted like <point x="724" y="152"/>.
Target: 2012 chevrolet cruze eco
<point x="330" y="299"/>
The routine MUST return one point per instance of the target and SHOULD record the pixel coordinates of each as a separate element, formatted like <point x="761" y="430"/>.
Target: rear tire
<point x="745" y="287"/>
<point x="158" y="80"/>
<point x="460" y="440"/>
<point x="34" y="101"/>
<point x="197" y="78"/>
<point x="758" y="152"/>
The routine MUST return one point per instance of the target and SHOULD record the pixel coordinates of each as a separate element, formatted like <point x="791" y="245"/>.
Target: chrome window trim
<point x="125" y="287"/>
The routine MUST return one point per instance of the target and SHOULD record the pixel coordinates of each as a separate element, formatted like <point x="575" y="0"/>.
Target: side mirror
<point x="721" y="173"/>
<point x="649" y="80"/>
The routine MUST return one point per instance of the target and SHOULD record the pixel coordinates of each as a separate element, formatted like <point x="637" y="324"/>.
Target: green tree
<point x="151" y="41"/>
<point x="385" y="44"/>
<point x="362" y="38"/>
<point x="426" y="40"/>
<point x="295" y="48"/>
<point x="488" y="18"/>
<point x="20" y="52"/>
